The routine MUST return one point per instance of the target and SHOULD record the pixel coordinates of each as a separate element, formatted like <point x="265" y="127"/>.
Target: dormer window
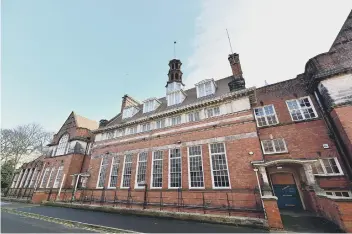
<point x="150" y="105"/>
<point x="129" y="112"/>
<point x="175" y="98"/>
<point x="205" y="88"/>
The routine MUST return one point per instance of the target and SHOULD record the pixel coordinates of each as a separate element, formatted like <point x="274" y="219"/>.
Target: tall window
<point x="195" y="167"/>
<point x="211" y="112"/>
<point x="62" y="147"/>
<point x="51" y="177"/>
<point x="102" y="173"/>
<point x="265" y="115"/>
<point x="193" y="116"/>
<point x="24" y="178"/>
<point x="127" y="171"/>
<point x="219" y="167"/>
<point x="301" y="109"/>
<point x="114" y="171"/>
<point x="160" y="123"/>
<point x="175" y="167"/>
<point x="141" y="168"/>
<point x="45" y="177"/>
<point x="34" y="178"/>
<point x="58" y="178"/>
<point x="274" y="146"/>
<point x="327" y="166"/>
<point x="157" y="171"/>
<point x="14" y="182"/>
<point x="29" y="177"/>
<point x="175" y="120"/>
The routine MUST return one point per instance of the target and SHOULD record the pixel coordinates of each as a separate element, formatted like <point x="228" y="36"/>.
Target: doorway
<point x="285" y="189"/>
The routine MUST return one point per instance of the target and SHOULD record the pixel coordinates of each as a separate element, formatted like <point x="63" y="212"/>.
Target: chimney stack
<point x="103" y="123"/>
<point x="238" y="81"/>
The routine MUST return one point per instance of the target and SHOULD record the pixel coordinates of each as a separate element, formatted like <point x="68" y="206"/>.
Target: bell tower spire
<point x="175" y="73"/>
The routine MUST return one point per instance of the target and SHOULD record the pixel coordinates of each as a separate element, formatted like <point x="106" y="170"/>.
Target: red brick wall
<point x="273" y="214"/>
<point x="240" y="169"/>
<point x="342" y="116"/>
<point x="282" y="178"/>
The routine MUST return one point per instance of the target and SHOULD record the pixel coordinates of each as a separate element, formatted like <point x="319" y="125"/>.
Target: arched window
<point x="61" y="148"/>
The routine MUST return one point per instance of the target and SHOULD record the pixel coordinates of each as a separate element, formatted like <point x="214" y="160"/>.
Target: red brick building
<point x="220" y="147"/>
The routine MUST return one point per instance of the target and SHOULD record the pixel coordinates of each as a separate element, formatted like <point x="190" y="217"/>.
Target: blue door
<point x="288" y="196"/>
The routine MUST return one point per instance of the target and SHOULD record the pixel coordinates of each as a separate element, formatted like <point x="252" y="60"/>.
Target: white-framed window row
<point x="102" y="172"/>
<point x="157" y="170"/>
<point x="141" y="170"/>
<point x="51" y="177"/>
<point x="274" y="146"/>
<point x="219" y="166"/>
<point x="175" y="168"/>
<point x="114" y="172"/>
<point x="126" y="171"/>
<point x="327" y="167"/>
<point x="342" y="193"/>
<point x="195" y="167"/>
<point x="160" y="123"/>
<point x="266" y="116"/>
<point x="301" y="109"/>
<point x="145" y="127"/>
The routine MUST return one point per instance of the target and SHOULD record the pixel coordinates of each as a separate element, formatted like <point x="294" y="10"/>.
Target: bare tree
<point x="23" y="141"/>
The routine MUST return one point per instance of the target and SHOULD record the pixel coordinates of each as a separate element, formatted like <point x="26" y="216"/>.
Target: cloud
<point x="274" y="38"/>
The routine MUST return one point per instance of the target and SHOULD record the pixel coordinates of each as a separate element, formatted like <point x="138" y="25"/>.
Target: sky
<point x="59" y="56"/>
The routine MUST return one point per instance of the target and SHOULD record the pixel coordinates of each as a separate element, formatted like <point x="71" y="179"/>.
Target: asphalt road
<point x="136" y="223"/>
<point x="11" y="223"/>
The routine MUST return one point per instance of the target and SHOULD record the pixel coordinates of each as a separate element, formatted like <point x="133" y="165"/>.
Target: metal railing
<point x="205" y="201"/>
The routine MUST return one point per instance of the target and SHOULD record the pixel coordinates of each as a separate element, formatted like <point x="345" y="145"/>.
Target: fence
<point x="20" y="193"/>
<point x="227" y="202"/>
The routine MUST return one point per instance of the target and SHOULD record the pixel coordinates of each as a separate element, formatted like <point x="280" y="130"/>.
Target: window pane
<point x="142" y="167"/>
<point x="219" y="165"/>
<point x="157" y="171"/>
<point x="175" y="168"/>
<point x="195" y="166"/>
<point x="126" y="181"/>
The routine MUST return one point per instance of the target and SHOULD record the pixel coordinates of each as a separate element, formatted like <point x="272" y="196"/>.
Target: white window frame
<point x="162" y="123"/>
<point x="110" y="135"/>
<point x="320" y="160"/>
<point x="301" y="109"/>
<point x="63" y="145"/>
<point x="189" y="166"/>
<point x="178" y="120"/>
<point x="44" y="176"/>
<point x="206" y="110"/>
<point x="338" y="191"/>
<point x="123" y="171"/>
<point x="58" y="177"/>
<point x="129" y="112"/>
<point x="28" y="179"/>
<point x="14" y="181"/>
<point x="145" y="127"/>
<point x="101" y="166"/>
<point x="136" y="185"/>
<point x="211" y="166"/>
<point x="162" y="169"/>
<point x="134" y="130"/>
<point x="273" y="145"/>
<point x="50" y="179"/>
<point x="265" y="116"/>
<point x="205" y="88"/>
<point x="113" y="163"/>
<point x="193" y="114"/>
<point x="169" y="173"/>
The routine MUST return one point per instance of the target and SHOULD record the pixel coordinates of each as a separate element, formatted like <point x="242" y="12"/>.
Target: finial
<point x="174" y="49"/>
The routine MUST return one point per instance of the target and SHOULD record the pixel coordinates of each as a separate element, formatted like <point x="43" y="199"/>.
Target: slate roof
<point x="191" y="97"/>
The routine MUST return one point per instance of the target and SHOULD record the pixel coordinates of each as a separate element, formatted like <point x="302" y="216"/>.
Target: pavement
<point x="306" y="222"/>
<point x="129" y="222"/>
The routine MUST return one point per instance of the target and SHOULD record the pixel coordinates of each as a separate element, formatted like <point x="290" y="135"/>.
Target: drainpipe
<point x="337" y="137"/>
